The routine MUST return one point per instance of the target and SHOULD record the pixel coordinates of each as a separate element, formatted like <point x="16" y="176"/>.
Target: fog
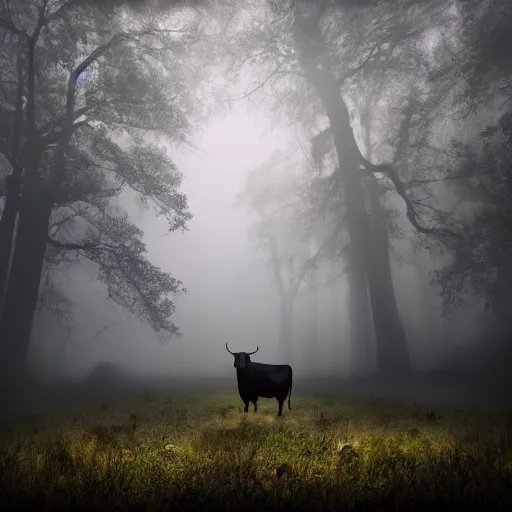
<point x="230" y="295"/>
<point x="234" y="295"/>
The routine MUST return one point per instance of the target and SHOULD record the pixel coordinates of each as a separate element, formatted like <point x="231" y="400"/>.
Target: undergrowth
<point x="161" y="453"/>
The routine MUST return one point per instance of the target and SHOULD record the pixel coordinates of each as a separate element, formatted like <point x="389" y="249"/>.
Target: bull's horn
<point x="229" y="350"/>
<point x="251" y="353"/>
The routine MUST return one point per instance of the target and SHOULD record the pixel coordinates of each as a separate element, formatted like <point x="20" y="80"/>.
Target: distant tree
<point x="271" y="192"/>
<point x="312" y="331"/>
<point x="90" y="83"/>
<point x="107" y="376"/>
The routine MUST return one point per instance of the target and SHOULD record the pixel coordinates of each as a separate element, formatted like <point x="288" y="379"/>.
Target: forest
<point x="395" y="163"/>
<point x="367" y="243"/>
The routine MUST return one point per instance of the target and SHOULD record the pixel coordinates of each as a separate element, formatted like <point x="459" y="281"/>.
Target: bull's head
<point x="242" y="359"/>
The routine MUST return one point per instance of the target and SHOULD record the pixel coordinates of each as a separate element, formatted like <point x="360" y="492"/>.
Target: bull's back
<point x="271" y="381"/>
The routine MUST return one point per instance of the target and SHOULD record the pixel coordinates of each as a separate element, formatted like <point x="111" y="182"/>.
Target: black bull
<point x="265" y="380"/>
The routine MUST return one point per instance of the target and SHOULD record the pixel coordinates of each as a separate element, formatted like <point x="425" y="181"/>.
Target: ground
<point x="193" y="449"/>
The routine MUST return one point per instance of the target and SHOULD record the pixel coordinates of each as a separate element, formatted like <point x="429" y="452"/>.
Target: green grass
<point x="204" y="453"/>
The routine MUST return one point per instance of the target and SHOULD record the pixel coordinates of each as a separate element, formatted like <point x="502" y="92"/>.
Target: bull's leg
<point x="280" y="408"/>
<point x="255" y="405"/>
<point x="246" y="408"/>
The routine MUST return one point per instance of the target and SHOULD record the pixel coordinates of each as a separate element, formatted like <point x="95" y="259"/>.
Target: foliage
<point x="476" y="68"/>
<point x="129" y="76"/>
<point x="481" y="263"/>
<point x="199" y="453"/>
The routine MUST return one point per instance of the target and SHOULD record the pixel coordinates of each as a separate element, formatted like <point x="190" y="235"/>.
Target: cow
<point x="265" y="380"/>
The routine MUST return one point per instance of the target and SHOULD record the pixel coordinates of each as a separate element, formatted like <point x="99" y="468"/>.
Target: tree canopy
<point x="95" y="90"/>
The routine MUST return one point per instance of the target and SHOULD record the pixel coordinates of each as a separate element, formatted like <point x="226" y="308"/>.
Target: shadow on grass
<point x="206" y="455"/>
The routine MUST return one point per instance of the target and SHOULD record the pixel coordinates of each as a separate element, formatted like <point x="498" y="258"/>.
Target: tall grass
<point x="204" y="453"/>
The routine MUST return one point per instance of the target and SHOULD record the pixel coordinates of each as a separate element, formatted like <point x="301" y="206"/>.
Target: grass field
<point x="201" y="452"/>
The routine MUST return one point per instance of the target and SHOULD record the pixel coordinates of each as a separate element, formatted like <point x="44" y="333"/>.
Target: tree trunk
<point x="25" y="278"/>
<point x="429" y="323"/>
<point x="337" y="332"/>
<point x="286" y="329"/>
<point x="35" y="208"/>
<point x="8" y="228"/>
<point x="392" y="360"/>
<point x="312" y="330"/>
<point x="382" y="273"/>
<point x="359" y="315"/>
<point x="13" y="186"/>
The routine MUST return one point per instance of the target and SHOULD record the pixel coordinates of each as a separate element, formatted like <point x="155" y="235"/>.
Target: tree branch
<point x="259" y="86"/>
<point x="59" y="223"/>
<point x="49" y="133"/>
<point x="55" y="14"/>
<point x="84" y="246"/>
<point x="349" y="74"/>
<point x="415" y="183"/>
<point x="399" y="186"/>
<point x="331" y="281"/>
<point x="92" y="338"/>
<point x="410" y="210"/>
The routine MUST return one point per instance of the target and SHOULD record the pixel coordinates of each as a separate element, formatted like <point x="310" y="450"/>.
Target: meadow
<point x="199" y="451"/>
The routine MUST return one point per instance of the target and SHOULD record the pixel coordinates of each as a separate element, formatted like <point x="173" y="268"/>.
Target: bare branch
<point x="428" y="181"/>
<point x="101" y="331"/>
<point x="259" y="86"/>
<point x="331" y="281"/>
<point x="57" y="224"/>
<point x="352" y="72"/>
<point x="410" y="210"/>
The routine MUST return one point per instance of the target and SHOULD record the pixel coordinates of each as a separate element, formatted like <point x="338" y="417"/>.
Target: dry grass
<point x="204" y="453"/>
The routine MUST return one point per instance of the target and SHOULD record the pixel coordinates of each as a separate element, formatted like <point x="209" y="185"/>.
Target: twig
<point x="258" y="87"/>
<point x="96" y="335"/>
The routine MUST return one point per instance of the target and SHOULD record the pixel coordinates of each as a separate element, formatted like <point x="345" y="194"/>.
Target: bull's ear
<point x="242" y="361"/>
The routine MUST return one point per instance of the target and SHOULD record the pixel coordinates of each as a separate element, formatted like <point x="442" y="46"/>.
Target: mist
<point x="228" y="291"/>
<point x="234" y="289"/>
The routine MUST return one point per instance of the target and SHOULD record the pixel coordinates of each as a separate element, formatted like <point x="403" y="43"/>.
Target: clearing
<point x="197" y="450"/>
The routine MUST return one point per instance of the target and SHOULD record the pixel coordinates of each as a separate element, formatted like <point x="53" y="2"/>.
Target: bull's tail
<point x="291" y="385"/>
